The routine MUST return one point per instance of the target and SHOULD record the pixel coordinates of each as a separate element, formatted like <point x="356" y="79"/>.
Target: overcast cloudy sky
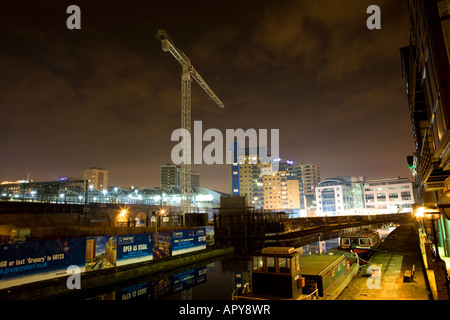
<point x="108" y="96"/>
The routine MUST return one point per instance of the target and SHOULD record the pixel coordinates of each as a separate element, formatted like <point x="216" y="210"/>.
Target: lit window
<point x="270" y="264"/>
<point x="258" y="263"/>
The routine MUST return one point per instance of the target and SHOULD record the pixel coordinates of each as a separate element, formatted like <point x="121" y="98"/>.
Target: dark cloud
<point x="107" y="95"/>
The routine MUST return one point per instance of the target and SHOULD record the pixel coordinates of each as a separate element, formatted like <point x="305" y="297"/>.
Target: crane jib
<point x="188" y="70"/>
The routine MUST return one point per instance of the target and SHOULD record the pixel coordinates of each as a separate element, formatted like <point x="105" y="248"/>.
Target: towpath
<point x="397" y="254"/>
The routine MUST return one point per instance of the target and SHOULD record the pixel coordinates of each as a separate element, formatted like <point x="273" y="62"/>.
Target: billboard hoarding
<point x="31" y="261"/>
<point x="184" y="241"/>
<point x="134" y="249"/>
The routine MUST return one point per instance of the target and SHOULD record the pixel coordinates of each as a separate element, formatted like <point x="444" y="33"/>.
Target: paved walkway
<point x="398" y="253"/>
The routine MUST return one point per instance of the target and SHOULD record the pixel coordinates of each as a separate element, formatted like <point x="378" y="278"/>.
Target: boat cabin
<point x="325" y="270"/>
<point x="366" y="240"/>
<point x="276" y="273"/>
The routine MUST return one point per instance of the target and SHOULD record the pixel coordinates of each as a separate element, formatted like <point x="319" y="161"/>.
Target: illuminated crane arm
<point x="205" y="87"/>
<point x="167" y="45"/>
<point x="188" y="72"/>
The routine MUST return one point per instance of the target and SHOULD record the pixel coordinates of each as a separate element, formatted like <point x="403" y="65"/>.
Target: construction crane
<point x="188" y="72"/>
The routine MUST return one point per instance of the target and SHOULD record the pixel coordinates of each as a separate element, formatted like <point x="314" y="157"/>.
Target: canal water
<point x="215" y="280"/>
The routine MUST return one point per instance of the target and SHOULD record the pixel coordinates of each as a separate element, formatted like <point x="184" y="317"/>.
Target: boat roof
<point x="365" y="234"/>
<point x="286" y="252"/>
<point x="318" y="264"/>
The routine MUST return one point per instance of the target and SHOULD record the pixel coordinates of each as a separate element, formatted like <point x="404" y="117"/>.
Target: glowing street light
<point x="122" y="218"/>
<point x="158" y="215"/>
<point x="123" y="214"/>
<point x="418" y="210"/>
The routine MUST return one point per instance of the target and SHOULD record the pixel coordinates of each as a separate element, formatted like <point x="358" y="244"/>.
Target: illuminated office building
<point x="264" y="187"/>
<point x="359" y="195"/>
<point x="97" y="178"/>
<point x="308" y="176"/>
<point x="170" y="176"/>
<point x="392" y="194"/>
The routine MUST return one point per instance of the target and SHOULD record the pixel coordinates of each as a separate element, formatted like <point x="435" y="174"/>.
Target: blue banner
<point x="134" y="248"/>
<point x="31" y="261"/>
<point x="39" y="260"/>
<point x="184" y="241"/>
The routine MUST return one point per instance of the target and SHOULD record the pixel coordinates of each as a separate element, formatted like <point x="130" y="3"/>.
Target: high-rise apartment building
<point x="170" y="176"/>
<point x="281" y="191"/>
<point x="97" y="178"/>
<point x="264" y="187"/>
<point x="195" y="179"/>
<point x="308" y="176"/>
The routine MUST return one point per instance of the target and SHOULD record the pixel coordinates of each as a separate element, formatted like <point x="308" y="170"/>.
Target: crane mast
<point x="188" y="71"/>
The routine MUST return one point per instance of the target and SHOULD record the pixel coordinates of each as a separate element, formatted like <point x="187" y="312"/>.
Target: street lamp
<point x="158" y="215"/>
<point x="123" y="213"/>
<point x="418" y="212"/>
<point x="123" y="217"/>
<point x="432" y="214"/>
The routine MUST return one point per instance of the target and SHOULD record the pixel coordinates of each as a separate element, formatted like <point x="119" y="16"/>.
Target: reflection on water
<point x="218" y="279"/>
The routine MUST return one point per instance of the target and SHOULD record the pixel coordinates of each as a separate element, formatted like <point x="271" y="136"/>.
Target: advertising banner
<point x="134" y="248"/>
<point x="31" y="261"/>
<point x="189" y="240"/>
<point x="101" y="252"/>
<point x="162" y="245"/>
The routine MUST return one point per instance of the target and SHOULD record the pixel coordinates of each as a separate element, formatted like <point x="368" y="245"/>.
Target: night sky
<point x="108" y="96"/>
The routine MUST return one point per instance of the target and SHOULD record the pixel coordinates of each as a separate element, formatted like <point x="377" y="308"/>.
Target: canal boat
<point x="282" y="273"/>
<point x="363" y="243"/>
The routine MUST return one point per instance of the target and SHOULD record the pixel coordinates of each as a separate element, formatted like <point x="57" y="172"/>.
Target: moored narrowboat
<point x="362" y="243"/>
<point x="283" y="273"/>
<point x="331" y="271"/>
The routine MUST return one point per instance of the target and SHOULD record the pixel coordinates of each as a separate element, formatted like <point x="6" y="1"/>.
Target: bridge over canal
<point x="278" y="226"/>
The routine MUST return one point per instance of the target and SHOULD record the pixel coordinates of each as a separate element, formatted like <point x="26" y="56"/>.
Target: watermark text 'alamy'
<point x="213" y="153"/>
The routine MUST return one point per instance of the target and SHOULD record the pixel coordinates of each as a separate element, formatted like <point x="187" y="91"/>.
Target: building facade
<point x="264" y="187"/>
<point x="426" y="70"/>
<point x="359" y="195"/>
<point x="390" y="194"/>
<point x="170" y="176"/>
<point x="308" y="176"/>
<point x="335" y="197"/>
<point x="281" y="191"/>
<point x="97" y="178"/>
